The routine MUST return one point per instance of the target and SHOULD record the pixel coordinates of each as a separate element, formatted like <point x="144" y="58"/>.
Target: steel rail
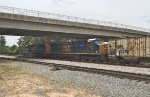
<point x="132" y="76"/>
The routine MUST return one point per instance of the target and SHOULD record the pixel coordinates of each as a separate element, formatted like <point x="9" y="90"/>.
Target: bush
<point x="9" y="50"/>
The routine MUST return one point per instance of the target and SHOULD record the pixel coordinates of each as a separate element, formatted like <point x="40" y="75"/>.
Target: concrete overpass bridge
<point x="22" y="22"/>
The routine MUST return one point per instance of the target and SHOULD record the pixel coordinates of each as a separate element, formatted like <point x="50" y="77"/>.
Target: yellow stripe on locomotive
<point x="66" y="48"/>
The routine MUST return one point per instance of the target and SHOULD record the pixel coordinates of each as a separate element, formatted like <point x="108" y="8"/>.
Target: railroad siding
<point x="111" y="47"/>
<point x="143" y="47"/>
<point x="131" y="47"/>
<point x="121" y="48"/>
<point x="137" y="47"/>
<point x="148" y="47"/>
<point x="47" y="49"/>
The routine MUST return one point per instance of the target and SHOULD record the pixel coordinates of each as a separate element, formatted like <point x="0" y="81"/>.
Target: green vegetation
<point x="8" y="50"/>
<point x="12" y="50"/>
<point x="23" y="41"/>
<point x="2" y="44"/>
<point x="10" y="69"/>
<point x="27" y="40"/>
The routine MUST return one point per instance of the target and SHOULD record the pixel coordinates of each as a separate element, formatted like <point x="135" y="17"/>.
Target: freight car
<point x="130" y="50"/>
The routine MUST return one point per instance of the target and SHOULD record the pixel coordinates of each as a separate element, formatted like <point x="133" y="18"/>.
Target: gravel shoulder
<point x="17" y="80"/>
<point x="21" y="79"/>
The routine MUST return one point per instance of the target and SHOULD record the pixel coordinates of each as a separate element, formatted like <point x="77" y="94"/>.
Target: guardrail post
<point x="49" y="15"/>
<point x="13" y="11"/>
<point x="38" y="14"/>
<point x="98" y="24"/>
<point x="84" y="21"/>
<point x="26" y="13"/>
<point x="59" y="17"/>
<point x="68" y="18"/>
<point x="76" y="19"/>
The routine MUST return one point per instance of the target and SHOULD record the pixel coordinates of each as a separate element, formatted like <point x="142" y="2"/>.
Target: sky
<point x="129" y="12"/>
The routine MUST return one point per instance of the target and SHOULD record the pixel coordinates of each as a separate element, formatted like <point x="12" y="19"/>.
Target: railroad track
<point x="132" y="76"/>
<point x="120" y="74"/>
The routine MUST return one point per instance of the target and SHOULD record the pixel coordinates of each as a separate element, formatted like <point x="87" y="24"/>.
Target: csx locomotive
<point x="83" y="50"/>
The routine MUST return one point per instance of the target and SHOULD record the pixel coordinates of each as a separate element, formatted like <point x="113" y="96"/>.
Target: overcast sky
<point x="130" y="12"/>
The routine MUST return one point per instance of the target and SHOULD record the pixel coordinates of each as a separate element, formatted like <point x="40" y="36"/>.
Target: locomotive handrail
<point x="39" y="14"/>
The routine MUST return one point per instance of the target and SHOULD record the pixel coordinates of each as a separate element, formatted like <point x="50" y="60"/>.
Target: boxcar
<point x="131" y="49"/>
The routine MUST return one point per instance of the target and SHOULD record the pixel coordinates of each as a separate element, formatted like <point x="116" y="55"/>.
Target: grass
<point x="20" y="81"/>
<point x="12" y="69"/>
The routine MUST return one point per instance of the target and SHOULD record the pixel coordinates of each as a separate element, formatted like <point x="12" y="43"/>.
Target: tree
<point x="2" y="41"/>
<point x="12" y="50"/>
<point x="2" y="44"/>
<point x="27" y="40"/>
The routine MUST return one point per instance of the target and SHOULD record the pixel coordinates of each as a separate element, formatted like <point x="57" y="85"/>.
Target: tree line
<point x="8" y="50"/>
<point x="23" y="41"/>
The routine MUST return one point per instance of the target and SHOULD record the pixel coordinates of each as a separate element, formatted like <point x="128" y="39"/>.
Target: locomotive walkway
<point x="143" y="73"/>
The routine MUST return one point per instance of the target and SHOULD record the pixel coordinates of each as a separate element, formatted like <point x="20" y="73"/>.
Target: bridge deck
<point x="95" y="27"/>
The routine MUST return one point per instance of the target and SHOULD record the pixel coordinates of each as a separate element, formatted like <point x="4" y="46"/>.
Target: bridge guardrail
<point x="12" y="10"/>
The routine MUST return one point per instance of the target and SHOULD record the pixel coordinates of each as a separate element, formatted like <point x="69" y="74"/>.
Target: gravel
<point x="103" y="85"/>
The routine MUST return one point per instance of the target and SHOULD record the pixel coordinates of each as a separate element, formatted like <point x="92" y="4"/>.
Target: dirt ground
<point x="18" y="82"/>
